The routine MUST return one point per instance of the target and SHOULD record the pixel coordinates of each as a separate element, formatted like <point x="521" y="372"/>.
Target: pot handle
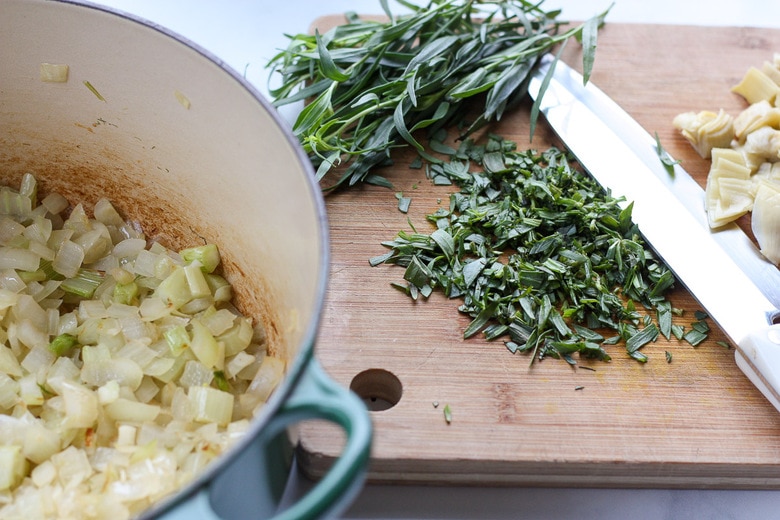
<point x="315" y="396"/>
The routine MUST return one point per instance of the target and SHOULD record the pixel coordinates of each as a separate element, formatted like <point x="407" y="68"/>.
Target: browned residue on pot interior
<point x="141" y="195"/>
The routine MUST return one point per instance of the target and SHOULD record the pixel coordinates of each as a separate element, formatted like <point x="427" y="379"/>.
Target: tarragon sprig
<point x="371" y="85"/>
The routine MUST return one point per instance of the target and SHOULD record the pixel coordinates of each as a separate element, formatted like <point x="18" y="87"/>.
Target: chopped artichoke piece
<point x="771" y="71"/>
<point x="757" y="86"/>
<point x="754" y="117"/>
<point x="727" y="162"/>
<point x="752" y="161"/>
<point x="766" y="220"/>
<point x="706" y="130"/>
<point x="728" y="194"/>
<point x="766" y="172"/>
<point x="764" y="142"/>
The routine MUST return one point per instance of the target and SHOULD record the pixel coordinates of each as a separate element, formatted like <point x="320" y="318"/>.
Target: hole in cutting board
<point x="378" y="388"/>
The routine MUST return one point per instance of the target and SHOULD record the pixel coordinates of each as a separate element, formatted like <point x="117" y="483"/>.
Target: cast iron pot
<point x="186" y="147"/>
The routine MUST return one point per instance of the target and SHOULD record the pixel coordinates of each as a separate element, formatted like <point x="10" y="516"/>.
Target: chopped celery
<point x="48" y="270"/>
<point x="207" y="256"/>
<point x="220" y="381"/>
<point x="32" y="276"/>
<point x="63" y="343"/>
<point x="83" y="284"/>
<point x="177" y="338"/>
<point x="126" y="294"/>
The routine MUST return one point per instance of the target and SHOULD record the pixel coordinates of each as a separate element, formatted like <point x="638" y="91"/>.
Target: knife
<point x="722" y="269"/>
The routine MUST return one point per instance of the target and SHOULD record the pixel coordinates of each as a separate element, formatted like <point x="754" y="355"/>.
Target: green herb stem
<point x="372" y="85"/>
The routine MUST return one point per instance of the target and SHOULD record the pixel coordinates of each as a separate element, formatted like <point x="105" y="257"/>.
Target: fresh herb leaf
<point x="642" y="338"/>
<point x="694" y="337"/>
<point x="665" y="158"/>
<point x="540" y="255"/>
<point x="403" y="202"/>
<point x="372" y="84"/>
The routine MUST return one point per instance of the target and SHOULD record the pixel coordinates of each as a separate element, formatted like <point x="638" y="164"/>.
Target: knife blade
<point x="722" y="269"/>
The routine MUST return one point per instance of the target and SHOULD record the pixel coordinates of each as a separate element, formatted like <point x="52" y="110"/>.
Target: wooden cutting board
<point x="694" y="422"/>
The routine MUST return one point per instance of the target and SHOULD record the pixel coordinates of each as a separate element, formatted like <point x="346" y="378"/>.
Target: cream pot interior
<point x="172" y="140"/>
<point x="176" y="142"/>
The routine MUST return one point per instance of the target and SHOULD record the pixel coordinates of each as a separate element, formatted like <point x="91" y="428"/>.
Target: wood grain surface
<point x="694" y="422"/>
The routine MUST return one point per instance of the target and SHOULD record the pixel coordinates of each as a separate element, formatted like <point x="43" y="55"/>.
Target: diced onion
<point x="68" y="259"/>
<point x="131" y="411"/>
<point x="122" y="363"/>
<point x="54" y="72"/>
<point x="20" y="259"/>
<point x="12" y="466"/>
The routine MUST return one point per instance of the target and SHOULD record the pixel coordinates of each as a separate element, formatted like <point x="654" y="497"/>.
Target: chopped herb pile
<point x="540" y="255"/>
<point x="372" y="84"/>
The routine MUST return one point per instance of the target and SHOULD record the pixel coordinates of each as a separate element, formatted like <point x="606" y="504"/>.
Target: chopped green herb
<point x="640" y="339"/>
<point x="539" y="254"/>
<point x="668" y="356"/>
<point x="579" y="388"/>
<point x="403" y="202"/>
<point x="699" y="329"/>
<point x="694" y="337"/>
<point x="665" y="158"/>
<point x="678" y="331"/>
<point x="447" y="413"/>
<point x="374" y="84"/>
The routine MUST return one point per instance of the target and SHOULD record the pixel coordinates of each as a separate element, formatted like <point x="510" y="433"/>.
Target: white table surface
<point x="245" y="34"/>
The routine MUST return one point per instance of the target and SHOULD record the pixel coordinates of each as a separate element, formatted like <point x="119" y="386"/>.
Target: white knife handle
<point x="758" y="356"/>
